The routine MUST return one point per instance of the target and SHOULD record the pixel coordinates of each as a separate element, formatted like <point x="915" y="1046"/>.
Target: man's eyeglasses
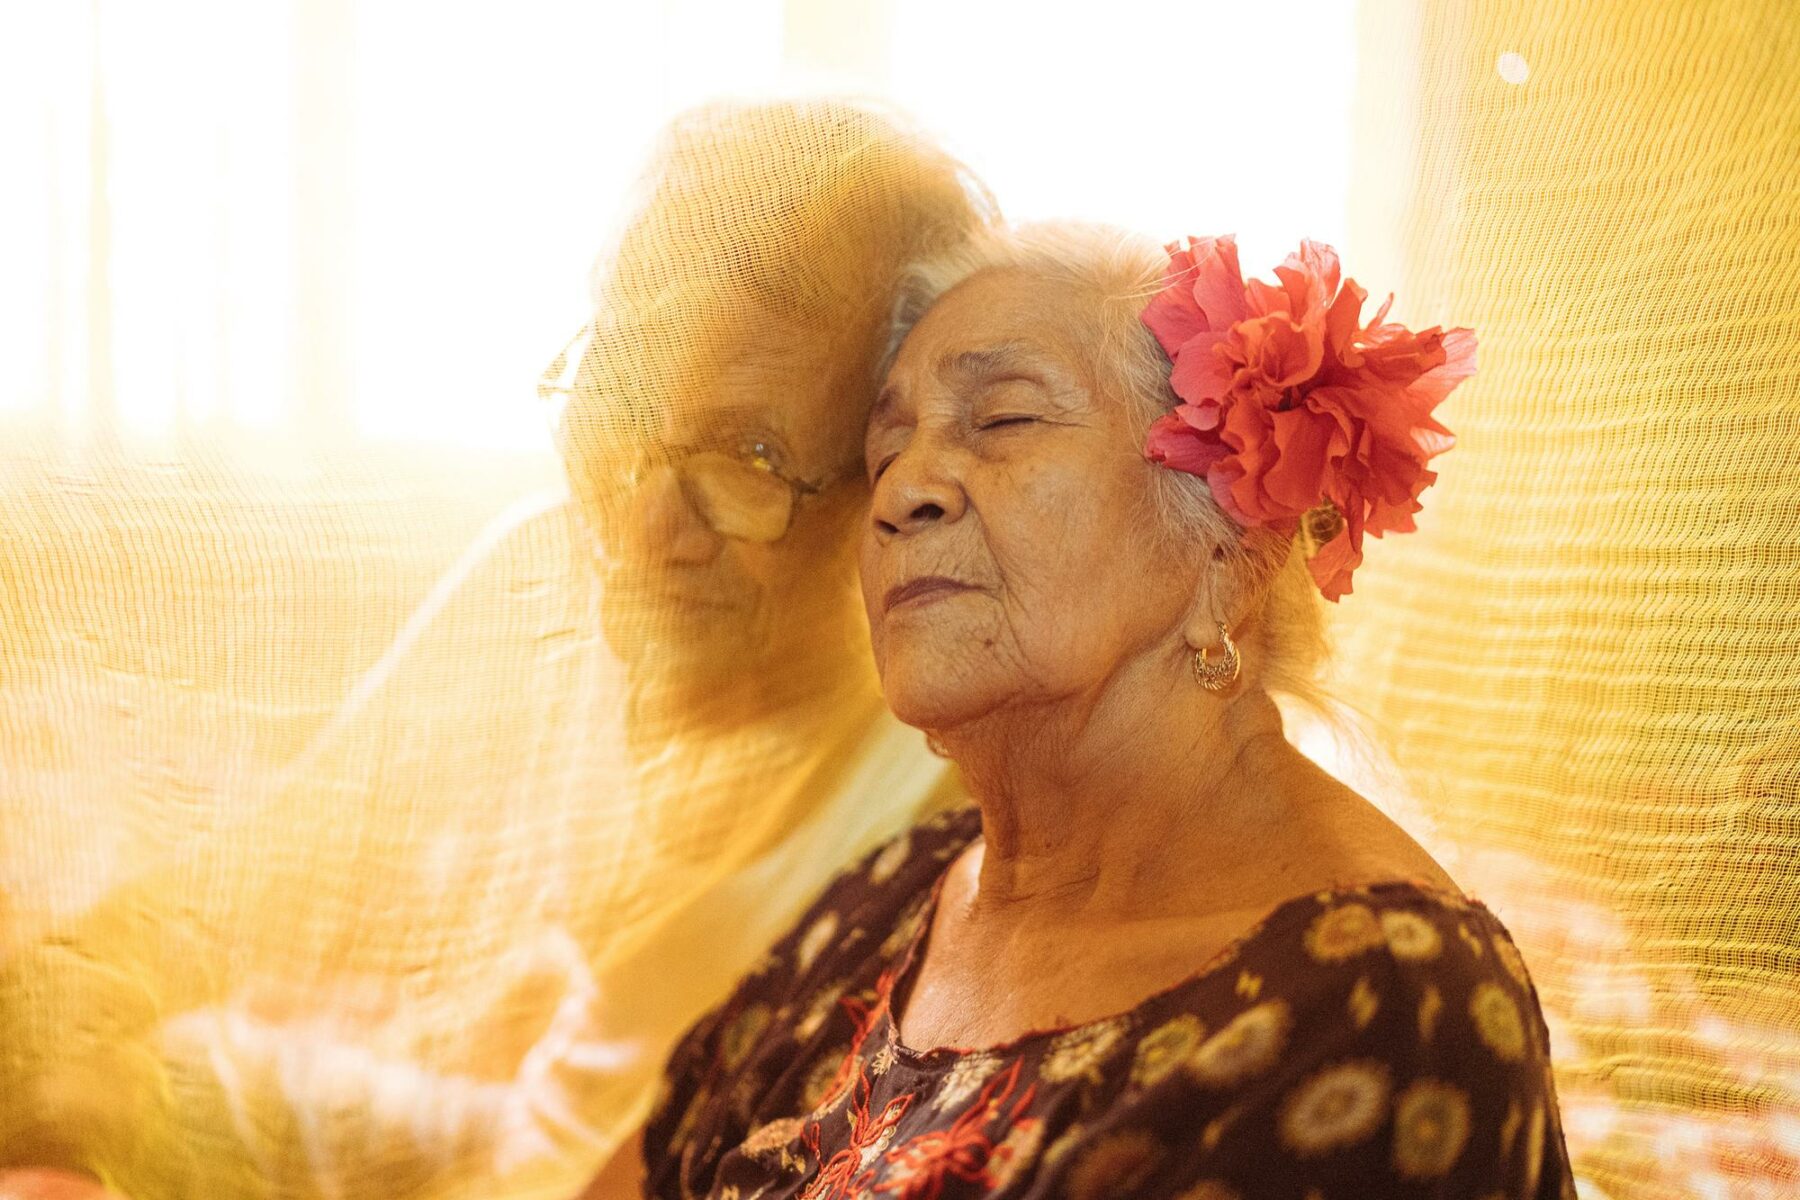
<point x="740" y="493"/>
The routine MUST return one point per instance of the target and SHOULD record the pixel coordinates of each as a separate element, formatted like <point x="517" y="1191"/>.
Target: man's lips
<point x="920" y="589"/>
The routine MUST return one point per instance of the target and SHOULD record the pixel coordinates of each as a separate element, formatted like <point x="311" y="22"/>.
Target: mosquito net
<point x="1587" y="662"/>
<point x="373" y="820"/>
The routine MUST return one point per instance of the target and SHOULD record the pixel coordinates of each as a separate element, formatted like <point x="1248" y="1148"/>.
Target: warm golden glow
<point x="366" y="829"/>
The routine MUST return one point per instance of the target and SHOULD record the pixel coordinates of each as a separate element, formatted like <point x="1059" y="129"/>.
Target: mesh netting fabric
<point x="371" y="823"/>
<point x="1586" y="659"/>
<point x="374" y="822"/>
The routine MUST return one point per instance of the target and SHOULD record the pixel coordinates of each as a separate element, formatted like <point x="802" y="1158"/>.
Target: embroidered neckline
<point x="966" y="825"/>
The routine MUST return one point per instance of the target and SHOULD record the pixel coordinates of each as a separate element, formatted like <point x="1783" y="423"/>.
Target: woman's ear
<point x="1231" y="582"/>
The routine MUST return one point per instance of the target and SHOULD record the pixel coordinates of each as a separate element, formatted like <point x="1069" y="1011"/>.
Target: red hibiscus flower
<point x="1289" y="403"/>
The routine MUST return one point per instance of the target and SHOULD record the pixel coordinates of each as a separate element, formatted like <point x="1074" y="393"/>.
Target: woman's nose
<point x="916" y="492"/>
<point x="658" y="524"/>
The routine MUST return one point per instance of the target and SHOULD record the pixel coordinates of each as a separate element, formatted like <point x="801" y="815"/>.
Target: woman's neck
<point x="1124" y="805"/>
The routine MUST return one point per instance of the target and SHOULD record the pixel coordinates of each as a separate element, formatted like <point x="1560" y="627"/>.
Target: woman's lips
<point x="922" y="590"/>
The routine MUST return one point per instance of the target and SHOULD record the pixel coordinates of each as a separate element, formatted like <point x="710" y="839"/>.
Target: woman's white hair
<point x="1121" y="271"/>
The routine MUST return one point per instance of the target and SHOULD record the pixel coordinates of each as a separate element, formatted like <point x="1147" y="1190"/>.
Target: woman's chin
<point x="929" y="700"/>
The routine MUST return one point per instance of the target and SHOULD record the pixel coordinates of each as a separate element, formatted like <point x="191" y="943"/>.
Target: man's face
<point x="701" y="583"/>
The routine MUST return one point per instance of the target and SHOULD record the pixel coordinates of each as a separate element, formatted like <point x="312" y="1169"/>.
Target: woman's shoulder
<point x="1415" y="933"/>
<point x="1404" y="972"/>
<point x="1379" y="1034"/>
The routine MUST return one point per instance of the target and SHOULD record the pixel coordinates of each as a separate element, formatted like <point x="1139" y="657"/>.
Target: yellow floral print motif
<point x="1015" y="1151"/>
<point x="1429" y="1009"/>
<point x="883" y="1061"/>
<point x="1534" y="1147"/>
<point x="684" y="1128"/>
<point x="1431" y="1127"/>
<point x="1064" y="1143"/>
<point x="1512" y="960"/>
<point x="1343" y="932"/>
<point x="1080" y="1052"/>
<point x="818" y="935"/>
<point x="743" y="1032"/>
<point x="889" y="861"/>
<point x="1249" y="1045"/>
<point x="1497" y="1020"/>
<point x="1215" y="1128"/>
<point x="819" y="1009"/>
<point x="965" y="1079"/>
<point x="1210" y="1189"/>
<point x="1336" y="1106"/>
<point x="904" y="928"/>
<point x="1165" y="1048"/>
<point x="1509" y="1128"/>
<point x="1113" y="1165"/>
<point x="744" y="1094"/>
<point x="820" y="1075"/>
<point x="1470" y="940"/>
<point x="1363" y="1003"/>
<point x="1410" y="937"/>
<point x="1249" y="985"/>
<point x="773" y="1136"/>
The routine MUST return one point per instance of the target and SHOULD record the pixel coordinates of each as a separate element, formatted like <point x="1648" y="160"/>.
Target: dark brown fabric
<point x="1379" y="1041"/>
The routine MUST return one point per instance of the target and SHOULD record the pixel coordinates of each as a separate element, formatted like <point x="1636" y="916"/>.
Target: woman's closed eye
<point x="1000" y="421"/>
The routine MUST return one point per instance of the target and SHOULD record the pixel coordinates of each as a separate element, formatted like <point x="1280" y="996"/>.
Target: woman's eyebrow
<point x="988" y="360"/>
<point x="1016" y="359"/>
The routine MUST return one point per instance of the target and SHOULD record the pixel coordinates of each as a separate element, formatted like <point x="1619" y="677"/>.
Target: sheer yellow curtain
<point x="1588" y="659"/>
<point x="356" y="835"/>
<point x="324" y="843"/>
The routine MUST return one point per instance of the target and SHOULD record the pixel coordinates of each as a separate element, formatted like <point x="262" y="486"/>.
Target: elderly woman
<point x="1162" y="953"/>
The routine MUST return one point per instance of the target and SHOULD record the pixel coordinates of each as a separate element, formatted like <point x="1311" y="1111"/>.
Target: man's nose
<point x="658" y="524"/>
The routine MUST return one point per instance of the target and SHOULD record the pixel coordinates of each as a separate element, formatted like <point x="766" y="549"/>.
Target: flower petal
<point x="1332" y="564"/>
<point x="1218" y="281"/>
<point x="1287" y="399"/>
<point x="1304" y="439"/>
<point x="1203" y="369"/>
<point x="1176" y="444"/>
<point x="1175" y="319"/>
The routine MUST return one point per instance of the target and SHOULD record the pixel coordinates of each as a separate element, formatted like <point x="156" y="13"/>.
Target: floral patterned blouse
<point x="1365" y="1042"/>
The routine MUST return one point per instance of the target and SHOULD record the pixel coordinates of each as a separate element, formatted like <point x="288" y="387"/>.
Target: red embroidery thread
<point x="962" y="1151"/>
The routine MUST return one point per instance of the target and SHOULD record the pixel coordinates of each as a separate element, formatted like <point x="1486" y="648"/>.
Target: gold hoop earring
<point x="1217" y="676"/>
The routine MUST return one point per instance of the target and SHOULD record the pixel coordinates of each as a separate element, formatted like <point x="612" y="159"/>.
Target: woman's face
<point x="1000" y="469"/>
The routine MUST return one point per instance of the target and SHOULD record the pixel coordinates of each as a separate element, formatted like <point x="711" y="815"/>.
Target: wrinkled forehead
<point x="996" y="320"/>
